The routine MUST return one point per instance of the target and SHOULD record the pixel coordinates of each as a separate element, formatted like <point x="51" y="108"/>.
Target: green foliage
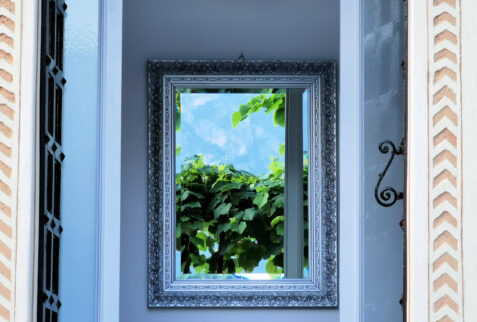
<point x="228" y="220"/>
<point x="270" y="102"/>
<point x="260" y="199"/>
<point x="178" y="114"/>
<point x="281" y="148"/>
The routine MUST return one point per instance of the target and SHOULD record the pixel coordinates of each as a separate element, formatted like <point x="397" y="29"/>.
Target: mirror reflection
<point x="235" y="175"/>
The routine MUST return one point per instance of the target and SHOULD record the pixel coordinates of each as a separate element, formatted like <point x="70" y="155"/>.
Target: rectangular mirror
<point x="233" y="218"/>
<point x="231" y="164"/>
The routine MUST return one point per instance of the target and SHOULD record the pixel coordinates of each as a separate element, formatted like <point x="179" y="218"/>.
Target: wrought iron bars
<point x="51" y="158"/>
<point x="388" y="196"/>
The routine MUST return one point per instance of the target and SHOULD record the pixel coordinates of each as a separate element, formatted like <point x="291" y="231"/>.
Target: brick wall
<point x="10" y="39"/>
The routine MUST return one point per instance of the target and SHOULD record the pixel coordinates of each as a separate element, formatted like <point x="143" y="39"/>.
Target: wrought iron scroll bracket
<point x="388" y="196"/>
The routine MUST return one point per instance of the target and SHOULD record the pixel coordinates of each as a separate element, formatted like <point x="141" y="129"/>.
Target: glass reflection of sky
<point x="206" y="128"/>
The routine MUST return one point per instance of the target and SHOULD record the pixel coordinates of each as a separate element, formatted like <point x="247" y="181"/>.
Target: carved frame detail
<point x="163" y="289"/>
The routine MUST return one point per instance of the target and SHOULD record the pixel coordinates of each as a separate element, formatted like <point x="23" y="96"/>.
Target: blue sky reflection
<point x="207" y="129"/>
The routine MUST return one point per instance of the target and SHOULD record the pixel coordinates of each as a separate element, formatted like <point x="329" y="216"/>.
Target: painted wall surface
<point x="469" y="119"/>
<point x="79" y="172"/>
<point x="214" y="29"/>
<point x="383" y="45"/>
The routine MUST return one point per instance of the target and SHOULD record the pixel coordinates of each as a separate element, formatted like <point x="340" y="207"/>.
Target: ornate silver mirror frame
<point x="321" y="289"/>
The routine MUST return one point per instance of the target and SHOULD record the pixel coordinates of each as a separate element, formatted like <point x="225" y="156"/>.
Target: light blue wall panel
<point x="383" y="45"/>
<point x="211" y="29"/>
<point x="79" y="176"/>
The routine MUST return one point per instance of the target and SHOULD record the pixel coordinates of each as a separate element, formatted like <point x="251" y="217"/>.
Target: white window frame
<point x="26" y="265"/>
<point x="109" y="219"/>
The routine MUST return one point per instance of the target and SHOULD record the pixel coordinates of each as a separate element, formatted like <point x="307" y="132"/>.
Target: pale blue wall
<point x="212" y="29"/>
<point x="262" y="30"/>
<point x="280" y="29"/>
<point x="383" y="44"/>
<point x="79" y="174"/>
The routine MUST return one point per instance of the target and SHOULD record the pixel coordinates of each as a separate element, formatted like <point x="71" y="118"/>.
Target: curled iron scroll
<point x="388" y="196"/>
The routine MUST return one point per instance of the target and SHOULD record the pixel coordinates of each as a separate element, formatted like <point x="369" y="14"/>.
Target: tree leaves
<point x="279" y="117"/>
<point x="277" y="220"/>
<point x="197" y="242"/>
<point x="223" y="228"/>
<point x="185" y="194"/>
<point x="238" y="227"/>
<point x="271" y="268"/>
<point x="178" y="113"/>
<point x="222" y="209"/>
<point x="249" y="213"/>
<point x="194" y="204"/>
<point x="261" y="199"/>
<point x="277" y="167"/>
<point x="230" y="216"/>
<point x="230" y="186"/>
<point x="270" y="102"/>
<point x="236" y="118"/>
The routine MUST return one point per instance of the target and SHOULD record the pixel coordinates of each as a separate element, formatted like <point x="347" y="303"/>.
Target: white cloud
<point x="201" y="99"/>
<point x="260" y="132"/>
<point x="187" y="116"/>
<point x="209" y="158"/>
<point x="211" y="133"/>
<point x="190" y="102"/>
<point x="243" y="150"/>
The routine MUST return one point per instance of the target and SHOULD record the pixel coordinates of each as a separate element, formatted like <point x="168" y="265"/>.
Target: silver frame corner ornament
<point x="321" y="289"/>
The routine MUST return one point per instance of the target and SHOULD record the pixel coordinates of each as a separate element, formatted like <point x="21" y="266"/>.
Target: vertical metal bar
<point x="42" y="160"/>
<point x="293" y="259"/>
<point x="51" y="157"/>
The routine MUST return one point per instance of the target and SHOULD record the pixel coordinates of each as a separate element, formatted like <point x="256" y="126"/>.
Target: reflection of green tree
<point x="229" y="220"/>
<point x="234" y="215"/>
<point x="271" y="103"/>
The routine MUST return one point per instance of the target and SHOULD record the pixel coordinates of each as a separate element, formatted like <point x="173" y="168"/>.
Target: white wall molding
<point x="350" y="129"/>
<point x="110" y="160"/>
<point x="26" y="226"/>
<point x="417" y="170"/>
<point x="18" y="66"/>
<point x="468" y="12"/>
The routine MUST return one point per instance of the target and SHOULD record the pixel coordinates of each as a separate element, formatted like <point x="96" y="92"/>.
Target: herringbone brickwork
<point x="10" y="38"/>
<point x="445" y="181"/>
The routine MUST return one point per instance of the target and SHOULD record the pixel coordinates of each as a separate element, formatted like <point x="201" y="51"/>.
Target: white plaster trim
<point x="445" y="138"/>
<point x="469" y="155"/>
<point x="417" y="166"/>
<point x="350" y="160"/>
<point x="110" y="160"/>
<point x="435" y="255"/>
<point x="26" y="263"/>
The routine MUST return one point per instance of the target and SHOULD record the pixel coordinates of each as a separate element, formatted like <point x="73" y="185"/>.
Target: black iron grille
<point x="52" y="83"/>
